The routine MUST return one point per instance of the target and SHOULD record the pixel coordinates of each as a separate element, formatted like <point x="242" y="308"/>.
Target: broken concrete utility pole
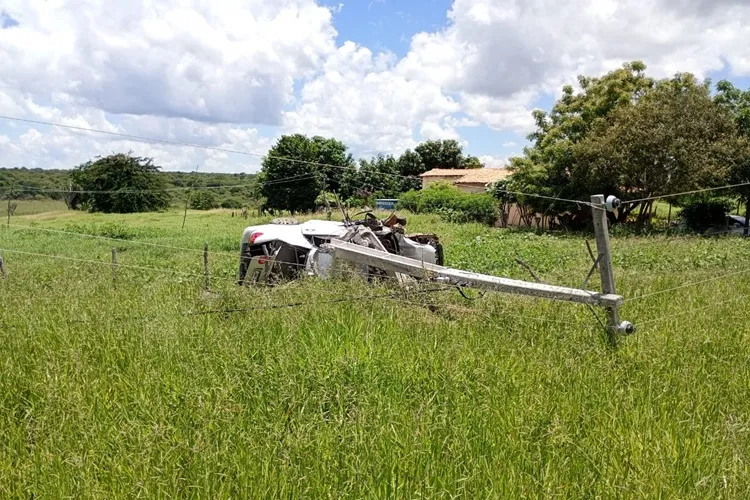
<point x="395" y="263"/>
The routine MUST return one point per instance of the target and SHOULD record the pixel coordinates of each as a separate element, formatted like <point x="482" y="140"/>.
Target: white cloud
<point x="509" y="144"/>
<point x="499" y="48"/>
<point x="460" y="122"/>
<point x="55" y="147"/>
<point x="490" y="161"/>
<point x="500" y="54"/>
<point x="213" y="73"/>
<point x="232" y="61"/>
<point x="506" y="113"/>
<point x="359" y="99"/>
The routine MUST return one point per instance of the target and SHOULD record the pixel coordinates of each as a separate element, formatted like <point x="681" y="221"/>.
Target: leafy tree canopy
<point x="202" y="200"/>
<point x="320" y="164"/>
<point x="120" y="183"/>
<point x="737" y="103"/>
<point x="675" y="138"/>
<point x="625" y="134"/>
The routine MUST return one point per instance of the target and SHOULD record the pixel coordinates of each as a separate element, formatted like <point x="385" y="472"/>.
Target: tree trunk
<point x="747" y="216"/>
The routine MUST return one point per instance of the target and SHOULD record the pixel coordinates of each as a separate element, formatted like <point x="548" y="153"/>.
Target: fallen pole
<point x="418" y="269"/>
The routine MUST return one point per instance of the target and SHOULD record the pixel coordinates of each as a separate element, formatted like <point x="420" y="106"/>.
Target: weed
<point x="119" y="389"/>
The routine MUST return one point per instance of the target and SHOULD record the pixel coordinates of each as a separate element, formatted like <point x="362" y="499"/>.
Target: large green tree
<point x="410" y="166"/>
<point x="380" y="176"/>
<point x="673" y="139"/>
<point x="441" y="154"/>
<point x="547" y="167"/>
<point x="120" y="183"/>
<point x="297" y="168"/>
<point x="625" y="134"/>
<point x="737" y="103"/>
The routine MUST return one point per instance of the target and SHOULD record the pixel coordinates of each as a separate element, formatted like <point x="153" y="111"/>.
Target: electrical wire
<point x="693" y="310"/>
<point x="687" y="285"/>
<point x="697" y="191"/>
<point x="284" y="180"/>
<point x="543" y="197"/>
<point x="187" y="144"/>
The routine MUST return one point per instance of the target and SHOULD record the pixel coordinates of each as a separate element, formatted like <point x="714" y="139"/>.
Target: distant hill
<point x="29" y="183"/>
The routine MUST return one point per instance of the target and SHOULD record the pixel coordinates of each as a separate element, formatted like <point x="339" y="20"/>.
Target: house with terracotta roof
<point x="441" y="174"/>
<point x="473" y="180"/>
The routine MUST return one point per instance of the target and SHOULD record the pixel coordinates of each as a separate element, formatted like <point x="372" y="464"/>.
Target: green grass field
<point x="123" y="389"/>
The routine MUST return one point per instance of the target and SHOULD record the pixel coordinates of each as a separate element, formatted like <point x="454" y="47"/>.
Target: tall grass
<point x="117" y="389"/>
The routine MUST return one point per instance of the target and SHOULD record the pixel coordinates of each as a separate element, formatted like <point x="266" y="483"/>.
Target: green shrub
<point x="701" y="214"/>
<point x="478" y="208"/>
<point x="451" y="204"/>
<point x="117" y="230"/>
<point x="232" y="203"/>
<point x="202" y="200"/>
<point x="409" y="201"/>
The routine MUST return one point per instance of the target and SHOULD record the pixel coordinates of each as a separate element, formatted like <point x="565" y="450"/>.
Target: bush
<point x="701" y="214"/>
<point x="451" y="204"/>
<point x="409" y="201"/>
<point x="438" y="196"/>
<point x="202" y="200"/>
<point x="480" y="208"/>
<point x="119" y="183"/>
<point x="232" y="203"/>
<point x="116" y="230"/>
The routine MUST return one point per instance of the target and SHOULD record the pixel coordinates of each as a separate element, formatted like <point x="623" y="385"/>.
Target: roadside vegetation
<point x="136" y="380"/>
<point x="123" y="389"/>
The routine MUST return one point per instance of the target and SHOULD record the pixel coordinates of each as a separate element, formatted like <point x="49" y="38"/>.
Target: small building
<point x="477" y="179"/>
<point x="474" y="180"/>
<point x="441" y="174"/>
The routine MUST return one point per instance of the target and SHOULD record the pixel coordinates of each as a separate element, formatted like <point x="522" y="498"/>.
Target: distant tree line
<point x="324" y="165"/>
<point x="296" y="174"/>
<point x="129" y="173"/>
<point x="624" y="134"/>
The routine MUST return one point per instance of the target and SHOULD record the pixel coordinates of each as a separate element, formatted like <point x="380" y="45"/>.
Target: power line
<point x="687" y="285"/>
<point x="299" y="177"/>
<point x="251" y="153"/>
<point x="190" y="145"/>
<point x="553" y="198"/>
<point x="120" y="240"/>
<point x="697" y="191"/>
<point x="693" y="310"/>
<point x="233" y="278"/>
<point x="320" y="164"/>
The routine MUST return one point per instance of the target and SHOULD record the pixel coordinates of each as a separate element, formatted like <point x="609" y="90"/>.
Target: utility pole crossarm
<point x="396" y="263"/>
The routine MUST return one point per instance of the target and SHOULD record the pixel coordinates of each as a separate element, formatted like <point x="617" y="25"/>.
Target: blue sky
<point x="380" y="75"/>
<point x="388" y="24"/>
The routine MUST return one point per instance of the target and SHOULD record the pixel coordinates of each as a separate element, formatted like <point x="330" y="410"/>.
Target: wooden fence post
<point x="10" y="198"/>
<point x="114" y="264"/>
<point x="187" y="198"/>
<point x="601" y="229"/>
<point x="2" y="267"/>
<point x="184" y="217"/>
<point x="205" y="267"/>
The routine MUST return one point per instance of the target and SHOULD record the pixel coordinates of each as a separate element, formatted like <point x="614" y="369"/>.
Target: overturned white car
<point x="276" y="252"/>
